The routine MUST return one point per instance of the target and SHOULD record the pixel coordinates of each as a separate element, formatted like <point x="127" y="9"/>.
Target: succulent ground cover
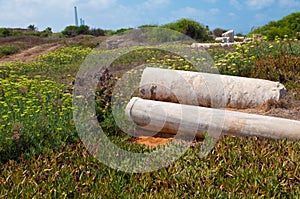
<point x="41" y="155"/>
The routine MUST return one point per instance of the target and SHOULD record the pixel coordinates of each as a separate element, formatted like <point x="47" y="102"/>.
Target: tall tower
<point x="76" y="16"/>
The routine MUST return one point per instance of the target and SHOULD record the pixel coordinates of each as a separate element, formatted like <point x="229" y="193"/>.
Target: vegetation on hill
<point x="288" y="25"/>
<point x="188" y="27"/>
<point x="191" y="28"/>
<point x="72" y="31"/>
<point x="7" y="50"/>
<point x="30" y="31"/>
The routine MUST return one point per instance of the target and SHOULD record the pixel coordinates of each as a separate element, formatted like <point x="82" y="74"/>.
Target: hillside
<point x="287" y="26"/>
<point x="26" y="48"/>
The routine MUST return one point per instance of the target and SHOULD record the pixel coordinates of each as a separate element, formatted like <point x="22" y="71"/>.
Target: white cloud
<point x="236" y="4"/>
<point x="289" y="3"/>
<point x="259" y="4"/>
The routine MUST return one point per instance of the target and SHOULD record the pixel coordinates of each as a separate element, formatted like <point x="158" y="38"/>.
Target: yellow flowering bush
<point x="36" y="112"/>
<point x="52" y="64"/>
<point x="241" y="59"/>
<point x="65" y="55"/>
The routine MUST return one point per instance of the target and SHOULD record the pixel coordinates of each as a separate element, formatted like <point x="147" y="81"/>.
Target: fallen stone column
<point x="208" y="90"/>
<point x="168" y="117"/>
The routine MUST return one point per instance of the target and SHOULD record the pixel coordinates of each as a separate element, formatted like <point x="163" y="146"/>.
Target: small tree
<point x="218" y="32"/>
<point x="48" y="30"/>
<point x="190" y="28"/>
<point x="32" y="27"/>
<point x="82" y="30"/>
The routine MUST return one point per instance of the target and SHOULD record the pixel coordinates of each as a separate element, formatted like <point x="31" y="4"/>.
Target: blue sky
<point x="114" y="14"/>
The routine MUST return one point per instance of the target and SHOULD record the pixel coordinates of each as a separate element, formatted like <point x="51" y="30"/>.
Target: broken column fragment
<point x="194" y="120"/>
<point x="208" y="90"/>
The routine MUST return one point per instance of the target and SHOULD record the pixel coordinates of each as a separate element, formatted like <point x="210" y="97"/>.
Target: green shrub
<point x="72" y="31"/>
<point x="190" y="28"/>
<point x="288" y="25"/>
<point x="17" y="33"/>
<point x="37" y="34"/>
<point x="96" y="32"/>
<point x="4" y="32"/>
<point x="7" y="50"/>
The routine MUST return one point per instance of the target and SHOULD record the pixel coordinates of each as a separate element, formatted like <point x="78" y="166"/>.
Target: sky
<point x="239" y="15"/>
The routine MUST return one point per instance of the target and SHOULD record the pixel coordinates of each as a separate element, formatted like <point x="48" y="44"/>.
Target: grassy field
<point x="41" y="155"/>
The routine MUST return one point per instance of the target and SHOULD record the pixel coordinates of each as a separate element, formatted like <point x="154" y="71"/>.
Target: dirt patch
<point x="26" y="41"/>
<point x="28" y="47"/>
<point x="31" y="53"/>
<point x="153" y="141"/>
<point x="31" y="47"/>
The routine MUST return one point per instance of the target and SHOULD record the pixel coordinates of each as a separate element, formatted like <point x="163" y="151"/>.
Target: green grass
<point x="42" y="157"/>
